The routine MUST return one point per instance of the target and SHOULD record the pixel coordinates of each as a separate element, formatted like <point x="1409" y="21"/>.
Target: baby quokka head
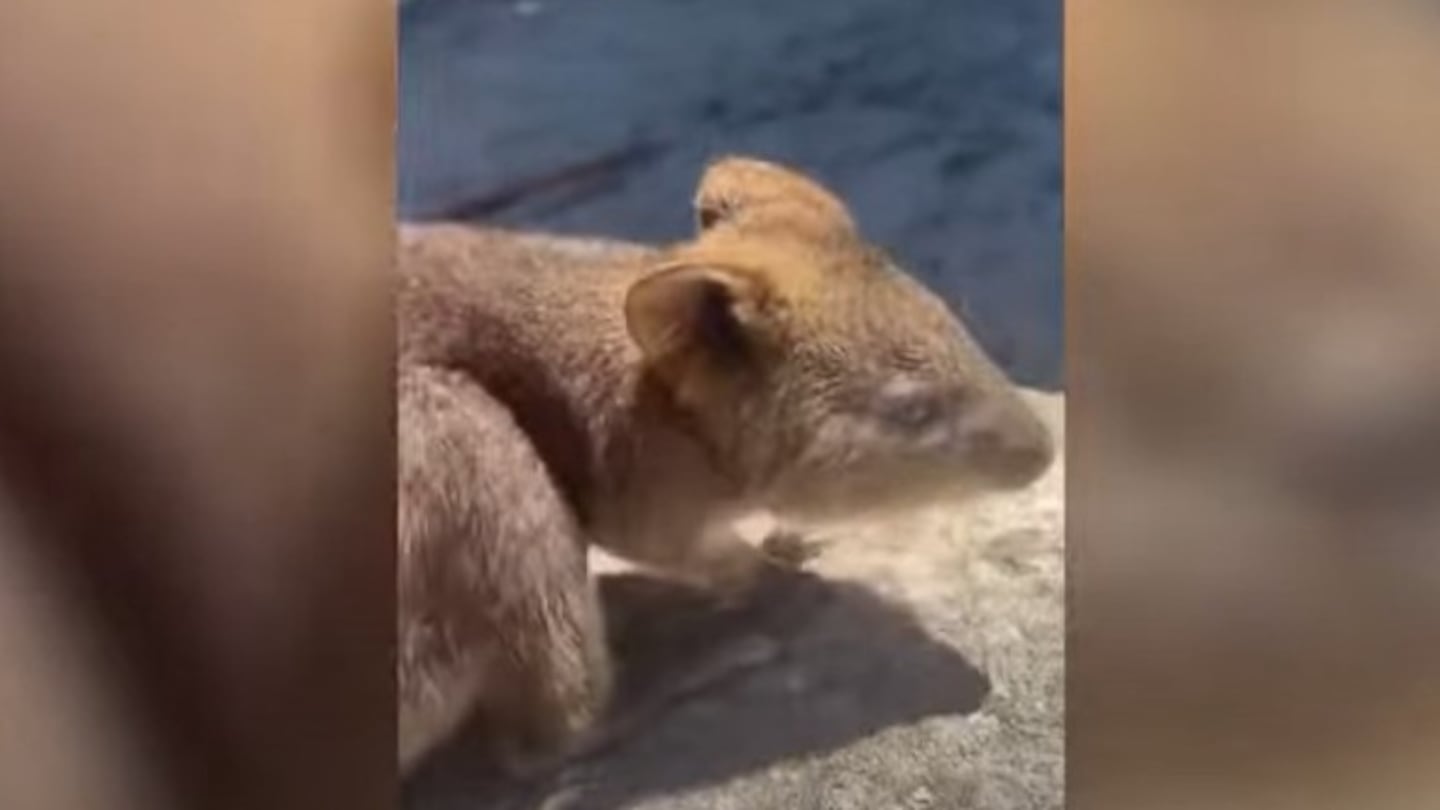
<point x="824" y="380"/>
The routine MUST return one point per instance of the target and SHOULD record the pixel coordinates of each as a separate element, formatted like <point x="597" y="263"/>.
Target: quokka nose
<point x="1013" y="445"/>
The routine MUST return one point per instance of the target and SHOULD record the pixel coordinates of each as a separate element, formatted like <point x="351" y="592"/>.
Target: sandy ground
<point x="938" y="120"/>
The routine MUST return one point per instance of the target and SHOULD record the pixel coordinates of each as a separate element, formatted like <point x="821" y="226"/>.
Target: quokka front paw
<point x="760" y="572"/>
<point x="790" y="549"/>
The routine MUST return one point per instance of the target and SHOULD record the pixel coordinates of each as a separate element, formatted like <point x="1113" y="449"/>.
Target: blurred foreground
<point x="195" y="406"/>
<point x="1254" y="369"/>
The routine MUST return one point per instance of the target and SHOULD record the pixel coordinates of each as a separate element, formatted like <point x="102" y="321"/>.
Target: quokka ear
<point x="737" y="190"/>
<point x="697" y="317"/>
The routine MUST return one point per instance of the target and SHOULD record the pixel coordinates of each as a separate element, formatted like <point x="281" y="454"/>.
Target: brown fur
<point x="777" y="361"/>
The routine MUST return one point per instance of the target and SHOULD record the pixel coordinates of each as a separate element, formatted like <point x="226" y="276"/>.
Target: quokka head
<point x="825" y="379"/>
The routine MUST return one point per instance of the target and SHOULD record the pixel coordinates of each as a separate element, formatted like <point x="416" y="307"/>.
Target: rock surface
<point x="937" y="120"/>
<point x="922" y="668"/>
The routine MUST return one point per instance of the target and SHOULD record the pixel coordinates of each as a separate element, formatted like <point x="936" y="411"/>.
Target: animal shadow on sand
<point x="847" y="664"/>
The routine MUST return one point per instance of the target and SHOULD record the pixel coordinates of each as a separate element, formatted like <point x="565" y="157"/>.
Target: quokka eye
<point x="915" y="411"/>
